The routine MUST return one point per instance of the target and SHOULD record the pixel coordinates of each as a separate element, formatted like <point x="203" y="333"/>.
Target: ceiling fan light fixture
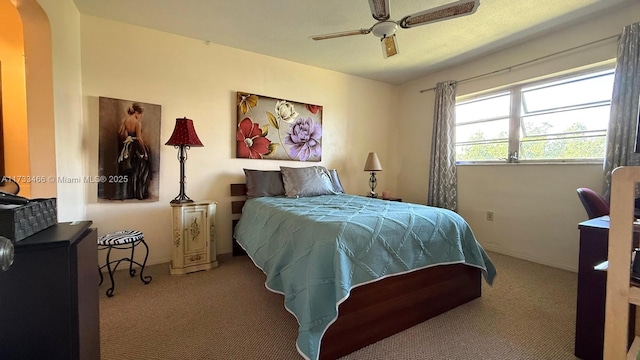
<point x="384" y="28"/>
<point x="389" y="46"/>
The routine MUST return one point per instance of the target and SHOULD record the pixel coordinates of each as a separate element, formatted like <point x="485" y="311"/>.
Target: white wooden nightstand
<point x="194" y="237"/>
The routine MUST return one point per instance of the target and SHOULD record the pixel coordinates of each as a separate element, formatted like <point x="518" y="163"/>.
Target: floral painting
<point x="278" y="129"/>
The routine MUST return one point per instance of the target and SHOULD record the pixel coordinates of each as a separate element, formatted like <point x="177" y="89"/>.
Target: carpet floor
<point x="227" y="313"/>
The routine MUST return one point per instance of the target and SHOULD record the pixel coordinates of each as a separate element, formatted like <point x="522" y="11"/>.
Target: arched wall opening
<point x="14" y="156"/>
<point x="38" y="69"/>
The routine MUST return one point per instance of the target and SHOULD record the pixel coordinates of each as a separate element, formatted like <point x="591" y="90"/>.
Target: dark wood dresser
<point x="49" y="305"/>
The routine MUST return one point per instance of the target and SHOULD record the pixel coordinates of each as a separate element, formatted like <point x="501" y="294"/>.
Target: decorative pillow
<point x="335" y="180"/>
<point x="306" y="181"/>
<point x="263" y="183"/>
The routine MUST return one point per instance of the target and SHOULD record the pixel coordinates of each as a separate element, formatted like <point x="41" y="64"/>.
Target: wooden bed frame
<point x="382" y="308"/>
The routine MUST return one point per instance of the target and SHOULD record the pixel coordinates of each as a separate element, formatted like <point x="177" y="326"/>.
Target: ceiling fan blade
<point x="445" y="12"/>
<point x="341" y="34"/>
<point x="379" y="9"/>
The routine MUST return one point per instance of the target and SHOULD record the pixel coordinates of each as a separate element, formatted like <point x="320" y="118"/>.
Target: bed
<point x="354" y="270"/>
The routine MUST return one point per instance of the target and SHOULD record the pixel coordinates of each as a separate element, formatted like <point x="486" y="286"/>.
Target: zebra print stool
<point x="123" y="240"/>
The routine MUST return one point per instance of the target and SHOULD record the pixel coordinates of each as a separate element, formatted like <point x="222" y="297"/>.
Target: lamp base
<point x="181" y="199"/>
<point x="372" y="184"/>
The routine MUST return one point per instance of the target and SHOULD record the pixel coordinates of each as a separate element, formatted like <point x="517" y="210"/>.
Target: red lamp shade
<point x="184" y="134"/>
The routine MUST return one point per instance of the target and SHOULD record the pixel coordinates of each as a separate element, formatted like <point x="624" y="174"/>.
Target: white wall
<point x="191" y="78"/>
<point x="536" y="208"/>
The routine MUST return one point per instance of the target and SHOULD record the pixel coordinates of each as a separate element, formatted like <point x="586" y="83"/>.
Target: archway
<point x="39" y="96"/>
<point x="13" y="101"/>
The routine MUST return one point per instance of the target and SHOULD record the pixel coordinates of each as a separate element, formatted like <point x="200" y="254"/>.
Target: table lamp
<point x="183" y="138"/>
<point x="372" y="165"/>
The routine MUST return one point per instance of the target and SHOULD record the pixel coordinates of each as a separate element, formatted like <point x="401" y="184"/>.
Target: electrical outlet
<point x="489" y="215"/>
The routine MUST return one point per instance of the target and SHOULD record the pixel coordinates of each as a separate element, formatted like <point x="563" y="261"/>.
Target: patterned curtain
<point x="623" y="123"/>
<point x="443" y="182"/>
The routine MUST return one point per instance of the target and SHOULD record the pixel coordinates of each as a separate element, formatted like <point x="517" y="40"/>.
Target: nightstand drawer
<point x="195" y="259"/>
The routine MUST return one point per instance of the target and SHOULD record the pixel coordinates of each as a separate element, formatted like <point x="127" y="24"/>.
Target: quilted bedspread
<point x="314" y="250"/>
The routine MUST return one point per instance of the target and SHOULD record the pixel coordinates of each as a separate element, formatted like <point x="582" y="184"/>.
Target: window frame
<point x="515" y="115"/>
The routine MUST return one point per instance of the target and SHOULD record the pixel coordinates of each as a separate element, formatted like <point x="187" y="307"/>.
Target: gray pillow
<point x="263" y="183"/>
<point x="306" y="181"/>
<point x="335" y="180"/>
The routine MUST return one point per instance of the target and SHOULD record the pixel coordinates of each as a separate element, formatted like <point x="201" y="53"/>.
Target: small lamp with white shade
<point x="372" y="165"/>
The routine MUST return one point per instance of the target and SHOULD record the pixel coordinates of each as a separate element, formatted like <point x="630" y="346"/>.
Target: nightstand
<point x="194" y="237"/>
<point x="389" y="199"/>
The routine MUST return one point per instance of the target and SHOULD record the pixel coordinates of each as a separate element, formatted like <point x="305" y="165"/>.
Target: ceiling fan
<point x="385" y="28"/>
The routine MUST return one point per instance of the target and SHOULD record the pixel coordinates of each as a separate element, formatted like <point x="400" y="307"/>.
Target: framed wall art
<point x="277" y="129"/>
<point x="129" y="150"/>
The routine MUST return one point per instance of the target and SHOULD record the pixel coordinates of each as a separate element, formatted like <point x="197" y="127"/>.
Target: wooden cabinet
<point x="621" y="291"/>
<point x="592" y="286"/>
<point x="49" y="305"/>
<point x="194" y="233"/>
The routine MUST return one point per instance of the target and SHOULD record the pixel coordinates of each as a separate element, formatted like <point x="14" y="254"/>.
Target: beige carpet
<point x="227" y="313"/>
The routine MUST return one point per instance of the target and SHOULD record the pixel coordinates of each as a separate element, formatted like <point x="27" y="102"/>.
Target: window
<point x="553" y="120"/>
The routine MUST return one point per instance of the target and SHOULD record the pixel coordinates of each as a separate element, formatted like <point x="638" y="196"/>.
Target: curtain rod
<point x="530" y="61"/>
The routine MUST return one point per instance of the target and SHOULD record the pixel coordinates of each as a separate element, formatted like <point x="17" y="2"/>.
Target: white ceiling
<point x="281" y="28"/>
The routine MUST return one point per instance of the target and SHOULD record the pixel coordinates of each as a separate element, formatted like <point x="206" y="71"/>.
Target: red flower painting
<point x="313" y="108"/>
<point x="251" y="142"/>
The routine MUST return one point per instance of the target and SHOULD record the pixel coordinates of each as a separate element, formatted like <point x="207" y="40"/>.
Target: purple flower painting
<point x="277" y="129"/>
<point x="303" y="138"/>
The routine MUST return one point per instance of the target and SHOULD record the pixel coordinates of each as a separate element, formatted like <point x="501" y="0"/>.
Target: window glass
<point x="566" y="121"/>
<point x="496" y="106"/>
<point x="487" y="140"/>
<point x="482" y="152"/>
<point x="573" y="92"/>
<point x="488" y="130"/>
<point x="562" y="149"/>
<point x="563" y="119"/>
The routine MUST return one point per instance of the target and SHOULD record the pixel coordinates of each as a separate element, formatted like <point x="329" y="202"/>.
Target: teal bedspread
<point x="314" y="250"/>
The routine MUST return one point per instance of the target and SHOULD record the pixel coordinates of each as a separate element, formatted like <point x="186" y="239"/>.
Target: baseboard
<point x="135" y="266"/>
<point x="158" y="261"/>
<point x="167" y="261"/>
<point x="223" y="256"/>
<point x="528" y="257"/>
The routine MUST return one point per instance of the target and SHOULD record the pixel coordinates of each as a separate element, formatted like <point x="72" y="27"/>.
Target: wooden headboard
<point x="237" y="190"/>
